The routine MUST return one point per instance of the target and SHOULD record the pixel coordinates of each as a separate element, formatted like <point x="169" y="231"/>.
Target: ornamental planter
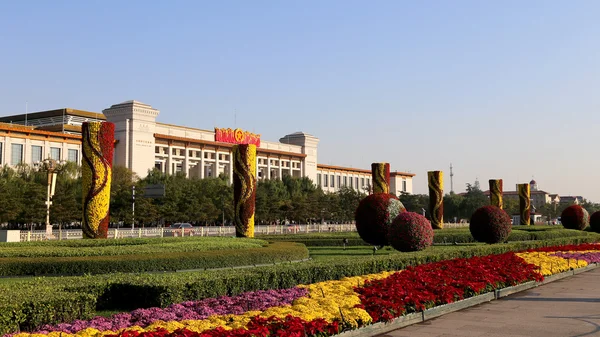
<point x="244" y="189"/>
<point x="381" y="177"/>
<point x="524" y="203"/>
<point x="436" y="198"/>
<point x="98" y="147"/>
<point x="496" y="193"/>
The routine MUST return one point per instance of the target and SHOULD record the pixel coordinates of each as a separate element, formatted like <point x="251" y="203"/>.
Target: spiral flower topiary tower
<point x="381" y="177"/>
<point x="496" y="193"/>
<point x="524" y="191"/>
<point x="244" y="189"/>
<point x="436" y="198"/>
<point x="98" y="140"/>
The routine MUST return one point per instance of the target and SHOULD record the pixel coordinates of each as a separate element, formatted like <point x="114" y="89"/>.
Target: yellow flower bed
<point x="550" y="265"/>
<point x="328" y="300"/>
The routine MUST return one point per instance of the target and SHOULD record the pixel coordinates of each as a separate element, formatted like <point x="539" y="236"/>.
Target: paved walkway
<point x="566" y="308"/>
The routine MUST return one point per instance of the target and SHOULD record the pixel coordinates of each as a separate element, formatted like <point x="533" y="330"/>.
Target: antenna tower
<point x="451" y="179"/>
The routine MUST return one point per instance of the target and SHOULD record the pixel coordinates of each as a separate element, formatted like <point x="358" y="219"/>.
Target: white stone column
<point x="279" y="161"/>
<point x="186" y="162"/>
<point x="216" y="171"/>
<point x="268" y="167"/>
<point x="231" y="167"/>
<point x="202" y="164"/>
<point x="8" y="151"/>
<point x="26" y="151"/>
<point x="291" y="168"/>
<point x="170" y="160"/>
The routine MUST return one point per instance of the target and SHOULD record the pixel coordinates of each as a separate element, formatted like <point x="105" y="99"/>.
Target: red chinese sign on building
<point x="237" y="136"/>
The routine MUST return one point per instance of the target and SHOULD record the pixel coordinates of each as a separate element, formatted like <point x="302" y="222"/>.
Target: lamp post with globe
<point x="52" y="167"/>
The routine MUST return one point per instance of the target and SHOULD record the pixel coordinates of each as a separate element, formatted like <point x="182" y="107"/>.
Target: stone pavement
<point x="565" y="308"/>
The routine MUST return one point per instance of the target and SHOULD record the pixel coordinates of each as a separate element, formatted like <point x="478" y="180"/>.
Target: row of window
<point x="17" y="157"/>
<point x="327" y="180"/>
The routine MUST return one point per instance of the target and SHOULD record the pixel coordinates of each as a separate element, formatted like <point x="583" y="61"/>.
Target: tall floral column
<point x="244" y="189"/>
<point x="524" y="203"/>
<point x="496" y="193"/>
<point x="436" y="198"/>
<point x="381" y="177"/>
<point x="98" y="146"/>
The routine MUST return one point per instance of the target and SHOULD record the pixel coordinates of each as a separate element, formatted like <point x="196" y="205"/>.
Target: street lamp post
<point x="52" y="167"/>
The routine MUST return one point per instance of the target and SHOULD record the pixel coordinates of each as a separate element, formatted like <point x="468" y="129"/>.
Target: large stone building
<point x="143" y="144"/>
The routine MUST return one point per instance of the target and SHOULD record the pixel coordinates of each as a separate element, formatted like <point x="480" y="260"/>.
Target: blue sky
<point x="505" y="89"/>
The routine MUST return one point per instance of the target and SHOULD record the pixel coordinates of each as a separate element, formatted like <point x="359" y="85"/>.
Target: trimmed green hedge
<point x="33" y="305"/>
<point x="112" y="247"/>
<point x="136" y="291"/>
<point x="275" y="252"/>
<point x="441" y="236"/>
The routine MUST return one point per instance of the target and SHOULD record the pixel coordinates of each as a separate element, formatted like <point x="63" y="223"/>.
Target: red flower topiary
<point x="595" y="222"/>
<point x="490" y="224"/>
<point x="575" y="217"/>
<point x="410" y="232"/>
<point x="374" y="216"/>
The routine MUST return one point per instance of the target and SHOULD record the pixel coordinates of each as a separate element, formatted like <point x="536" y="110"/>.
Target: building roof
<point x="28" y="130"/>
<point x="52" y="113"/>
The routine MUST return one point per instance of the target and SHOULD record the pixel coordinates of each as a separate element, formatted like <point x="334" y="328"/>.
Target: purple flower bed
<point x="191" y="310"/>
<point x="590" y="257"/>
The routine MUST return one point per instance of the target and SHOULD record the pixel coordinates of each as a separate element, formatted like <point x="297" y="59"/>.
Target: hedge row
<point x="131" y="291"/>
<point x="275" y="252"/>
<point x="440" y="237"/>
<point x="72" y="248"/>
<point x="32" y="305"/>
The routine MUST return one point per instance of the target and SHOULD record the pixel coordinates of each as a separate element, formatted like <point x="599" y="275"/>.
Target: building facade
<point x="143" y="144"/>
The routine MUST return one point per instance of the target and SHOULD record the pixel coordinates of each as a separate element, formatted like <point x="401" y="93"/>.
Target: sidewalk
<point x="565" y="308"/>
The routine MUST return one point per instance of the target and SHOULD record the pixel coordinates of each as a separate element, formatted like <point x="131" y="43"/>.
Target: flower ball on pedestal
<point x="575" y="217"/>
<point x="374" y="216"/>
<point x="410" y="232"/>
<point x="490" y="224"/>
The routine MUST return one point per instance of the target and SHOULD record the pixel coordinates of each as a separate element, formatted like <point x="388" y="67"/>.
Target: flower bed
<point x="326" y="308"/>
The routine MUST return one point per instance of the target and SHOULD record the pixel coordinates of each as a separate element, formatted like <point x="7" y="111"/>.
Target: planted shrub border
<point x="28" y="303"/>
<point x="443" y="236"/>
<point x="171" y="261"/>
<point x="72" y="248"/>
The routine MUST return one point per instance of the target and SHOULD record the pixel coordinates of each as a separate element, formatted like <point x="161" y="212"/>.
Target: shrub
<point x="490" y="224"/>
<point x="74" y="296"/>
<point x="595" y="222"/>
<point x="168" y="261"/>
<point x="575" y="217"/>
<point x="410" y="232"/>
<point x="374" y="216"/>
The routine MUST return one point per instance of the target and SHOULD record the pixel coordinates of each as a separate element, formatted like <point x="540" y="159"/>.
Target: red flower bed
<point x="258" y="327"/>
<point x="432" y="284"/>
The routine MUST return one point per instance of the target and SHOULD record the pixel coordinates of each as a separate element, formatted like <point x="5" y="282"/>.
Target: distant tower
<point x="533" y="185"/>
<point x="451" y="179"/>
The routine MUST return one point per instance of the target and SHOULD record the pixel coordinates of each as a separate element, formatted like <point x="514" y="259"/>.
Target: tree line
<point x="206" y="201"/>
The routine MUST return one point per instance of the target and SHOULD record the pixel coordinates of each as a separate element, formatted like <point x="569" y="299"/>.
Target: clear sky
<point x="503" y="89"/>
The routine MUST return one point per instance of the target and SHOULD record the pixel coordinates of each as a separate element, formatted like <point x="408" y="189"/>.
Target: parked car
<point x="186" y="227"/>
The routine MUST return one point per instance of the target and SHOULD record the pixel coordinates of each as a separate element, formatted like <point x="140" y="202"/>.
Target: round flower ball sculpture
<point x="575" y="217"/>
<point x="490" y="224"/>
<point x="410" y="232"/>
<point x="374" y="215"/>
<point x="595" y="222"/>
